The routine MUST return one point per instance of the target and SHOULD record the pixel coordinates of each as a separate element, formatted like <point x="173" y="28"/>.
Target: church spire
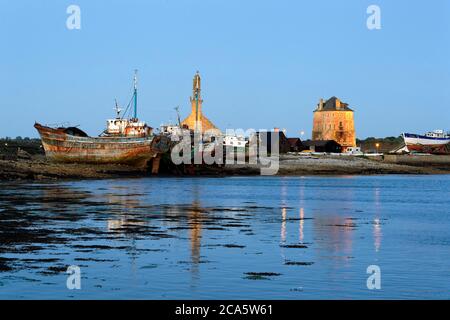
<point x="196" y="87"/>
<point x="197" y="121"/>
<point x="196" y="99"/>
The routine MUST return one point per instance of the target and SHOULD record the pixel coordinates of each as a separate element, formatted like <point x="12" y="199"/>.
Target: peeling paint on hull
<point x="63" y="147"/>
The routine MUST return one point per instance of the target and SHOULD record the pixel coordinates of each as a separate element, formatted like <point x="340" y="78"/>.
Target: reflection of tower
<point x="197" y="120"/>
<point x="195" y="223"/>
<point x="336" y="233"/>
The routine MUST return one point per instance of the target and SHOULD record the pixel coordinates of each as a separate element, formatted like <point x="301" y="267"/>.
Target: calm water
<point x="221" y="238"/>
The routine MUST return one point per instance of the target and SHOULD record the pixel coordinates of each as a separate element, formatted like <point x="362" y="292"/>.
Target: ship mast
<point x="135" y="95"/>
<point x="118" y="110"/>
<point x="177" y="109"/>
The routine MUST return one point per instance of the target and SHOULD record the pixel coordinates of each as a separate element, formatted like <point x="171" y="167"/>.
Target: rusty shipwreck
<point x="126" y="141"/>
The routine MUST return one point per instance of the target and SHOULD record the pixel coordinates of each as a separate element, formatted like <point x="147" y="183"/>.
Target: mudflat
<point x="39" y="168"/>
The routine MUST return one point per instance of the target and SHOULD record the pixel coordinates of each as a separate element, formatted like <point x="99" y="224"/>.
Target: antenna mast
<point x="177" y="109"/>
<point x="118" y="110"/>
<point x="135" y="94"/>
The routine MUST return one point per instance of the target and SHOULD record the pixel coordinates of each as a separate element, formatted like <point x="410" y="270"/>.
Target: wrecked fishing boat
<point x="126" y="141"/>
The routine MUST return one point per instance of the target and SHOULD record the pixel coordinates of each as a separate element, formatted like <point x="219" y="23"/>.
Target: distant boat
<point x="125" y="141"/>
<point x="434" y="142"/>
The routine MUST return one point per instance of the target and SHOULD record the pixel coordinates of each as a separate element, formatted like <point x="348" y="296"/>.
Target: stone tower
<point x="333" y="120"/>
<point x="197" y="121"/>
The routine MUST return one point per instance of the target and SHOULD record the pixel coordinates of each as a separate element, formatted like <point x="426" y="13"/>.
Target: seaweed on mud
<point x="216" y="228"/>
<point x="192" y="262"/>
<point x="225" y="209"/>
<point x="298" y="263"/>
<point x="40" y="260"/>
<point x="230" y="245"/>
<point x="19" y="236"/>
<point x="5" y="264"/>
<point x="233" y="246"/>
<point x="260" y="275"/>
<point x="180" y="228"/>
<point x="151" y="250"/>
<point x="294" y="246"/>
<point x="84" y="230"/>
<point x="53" y="270"/>
<point x="344" y="225"/>
<point x="99" y="247"/>
<point x="235" y="225"/>
<point x="96" y="260"/>
<point x="259" y="207"/>
<point x="150" y="266"/>
<point x="264" y="274"/>
<point x="211" y="245"/>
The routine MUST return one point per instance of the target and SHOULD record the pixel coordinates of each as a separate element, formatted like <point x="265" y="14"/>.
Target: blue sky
<point x="263" y="63"/>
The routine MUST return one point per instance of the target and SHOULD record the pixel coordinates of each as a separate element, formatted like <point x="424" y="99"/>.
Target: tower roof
<point x="333" y="104"/>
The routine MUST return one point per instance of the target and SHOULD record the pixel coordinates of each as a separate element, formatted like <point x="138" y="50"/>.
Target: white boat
<point x="435" y="142"/>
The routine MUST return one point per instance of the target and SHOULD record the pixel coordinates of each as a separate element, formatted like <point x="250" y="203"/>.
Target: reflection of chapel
<point x="197" y="120"/>
<point x="333" y="120"/>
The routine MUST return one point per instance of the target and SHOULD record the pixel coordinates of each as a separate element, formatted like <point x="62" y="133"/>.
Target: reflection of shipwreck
<point x="125" y="141"/>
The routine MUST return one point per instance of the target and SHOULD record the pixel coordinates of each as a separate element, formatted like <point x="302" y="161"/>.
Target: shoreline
<point x="38" y="168"/>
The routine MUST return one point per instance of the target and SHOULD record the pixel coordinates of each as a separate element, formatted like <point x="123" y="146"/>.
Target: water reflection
<point x="377" y="234"/>
<point x="335" y="233"/>
<point x="151" y="238"/>
<point x="283" y="224"/>
<point x="195" y="217"/>
<point x="301" y="224"/>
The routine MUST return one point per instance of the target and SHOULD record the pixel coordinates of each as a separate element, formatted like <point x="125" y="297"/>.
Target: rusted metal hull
<point x="63" y="147"/>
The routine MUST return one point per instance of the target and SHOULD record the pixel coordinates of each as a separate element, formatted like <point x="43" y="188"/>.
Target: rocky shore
<point x="326" y="164"/>
<point x="37" y="167"/>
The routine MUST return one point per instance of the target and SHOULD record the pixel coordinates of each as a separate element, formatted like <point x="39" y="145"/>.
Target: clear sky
<point x="263" y="63"/>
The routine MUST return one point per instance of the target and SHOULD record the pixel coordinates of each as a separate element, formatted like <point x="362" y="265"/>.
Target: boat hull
<point x="60" y="146"/>
<point x="424" y="144"/>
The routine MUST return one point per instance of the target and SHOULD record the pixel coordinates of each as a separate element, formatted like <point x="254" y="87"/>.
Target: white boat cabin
<point x="437" y="134"/>
<point x="128" y="128"/>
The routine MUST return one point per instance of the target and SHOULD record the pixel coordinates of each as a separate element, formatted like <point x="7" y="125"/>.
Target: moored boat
<point x="125" y="141"/>
<point x="434" y="142"/>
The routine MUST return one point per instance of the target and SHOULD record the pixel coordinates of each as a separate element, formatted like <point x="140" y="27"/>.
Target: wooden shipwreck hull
<point x="72" y="145"/>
